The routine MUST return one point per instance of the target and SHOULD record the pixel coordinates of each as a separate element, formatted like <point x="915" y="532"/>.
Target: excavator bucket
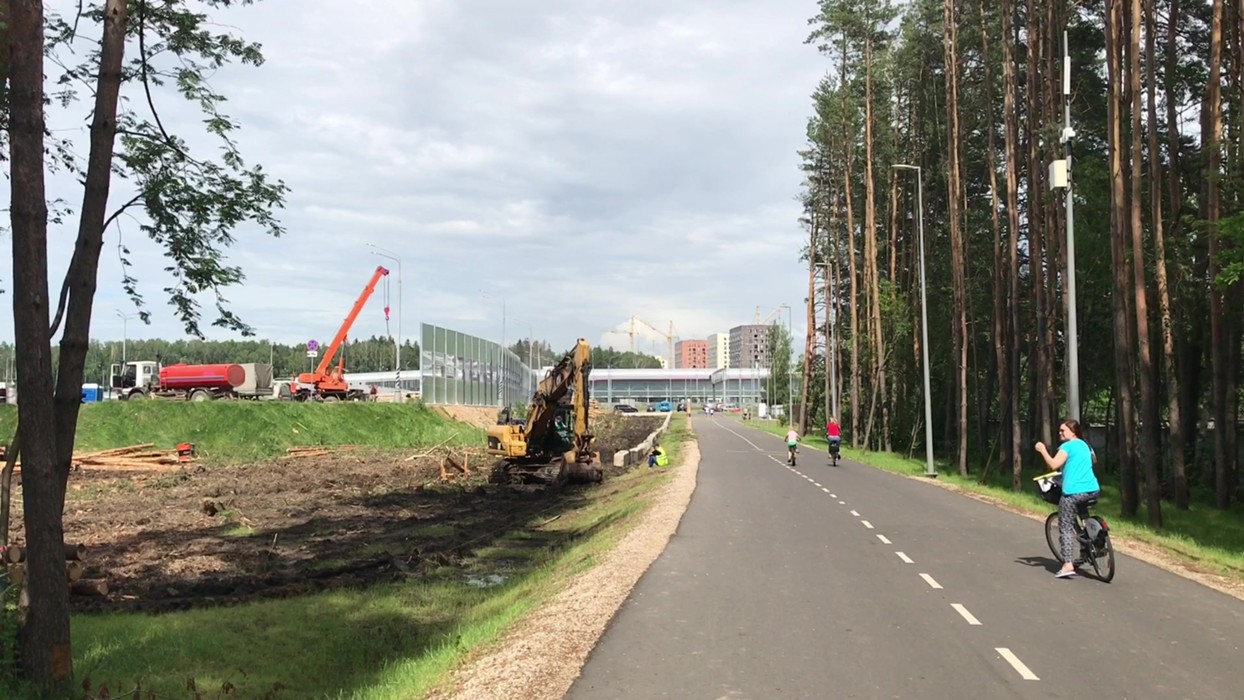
<point x="582" y="468"/>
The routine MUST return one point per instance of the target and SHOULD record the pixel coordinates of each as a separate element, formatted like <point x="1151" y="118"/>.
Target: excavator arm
<point x="557" y="429"/>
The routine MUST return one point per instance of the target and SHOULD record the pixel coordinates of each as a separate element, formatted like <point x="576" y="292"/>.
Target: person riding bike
<point x="1075" y="459"/>
<point x="792" y="443"/>
<point x="833" y="436"/>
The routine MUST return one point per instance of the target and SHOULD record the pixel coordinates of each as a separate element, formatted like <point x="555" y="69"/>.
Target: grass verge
<point x="1203" y="539"/>
<point x="245" y="431"/>
<point x="398" y="640"/>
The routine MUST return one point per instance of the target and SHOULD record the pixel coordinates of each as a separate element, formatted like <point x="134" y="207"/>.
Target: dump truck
<point x="145" y="379"/>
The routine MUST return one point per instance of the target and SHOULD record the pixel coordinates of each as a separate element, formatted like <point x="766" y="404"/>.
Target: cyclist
<point x="1074" y="459"/>
<point x="792" y="441"/>
<point x="833" y="435"/>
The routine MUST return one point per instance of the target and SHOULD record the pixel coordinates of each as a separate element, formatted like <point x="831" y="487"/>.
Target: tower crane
<point x="669" y="336"/>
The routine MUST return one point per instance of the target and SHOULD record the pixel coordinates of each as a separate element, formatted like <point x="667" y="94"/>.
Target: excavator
<point x="328" y="383"/>
<point x="554" y="444"/>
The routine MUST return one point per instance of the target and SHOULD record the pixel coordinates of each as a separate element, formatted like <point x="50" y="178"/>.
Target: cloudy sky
<point x="575" y="162"/>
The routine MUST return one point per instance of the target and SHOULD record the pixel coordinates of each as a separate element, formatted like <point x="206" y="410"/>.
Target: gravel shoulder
<point x="542" y="656"/>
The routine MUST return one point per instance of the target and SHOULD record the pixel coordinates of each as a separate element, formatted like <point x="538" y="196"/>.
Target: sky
<point x="543" y="168"/>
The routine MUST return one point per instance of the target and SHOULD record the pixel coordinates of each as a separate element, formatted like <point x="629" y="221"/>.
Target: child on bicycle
<point x="792" y="442"/>
<point x="1075" y="459"/>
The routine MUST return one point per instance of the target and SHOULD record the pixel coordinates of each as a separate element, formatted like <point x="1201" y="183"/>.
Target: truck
<point x="328" y="383"/>
<point x="145" y="379"/>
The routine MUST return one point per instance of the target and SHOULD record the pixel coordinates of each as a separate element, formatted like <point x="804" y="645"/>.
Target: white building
<point x="719" y="351"/>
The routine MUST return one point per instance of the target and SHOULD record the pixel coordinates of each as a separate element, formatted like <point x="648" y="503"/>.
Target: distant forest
<point x="373" y="354"/>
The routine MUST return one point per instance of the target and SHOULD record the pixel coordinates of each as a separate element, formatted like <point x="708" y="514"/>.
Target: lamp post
<point x="1073" y="354"/>
<point x="401" y="393"/>
<point x="790" y="391"/>
<point x="124" y="335"/>
<point x="929" y="469"/>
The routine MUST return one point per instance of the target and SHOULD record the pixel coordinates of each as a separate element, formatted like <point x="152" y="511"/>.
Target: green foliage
<point x="191" y="205"/>
<point x="603" y="358"/>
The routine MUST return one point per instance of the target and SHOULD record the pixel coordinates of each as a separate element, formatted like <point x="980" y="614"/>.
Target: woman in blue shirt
<point x="1075" y="459"/>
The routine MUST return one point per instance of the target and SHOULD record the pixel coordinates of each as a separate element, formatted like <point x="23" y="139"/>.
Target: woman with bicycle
<point x="1074" y="459"/>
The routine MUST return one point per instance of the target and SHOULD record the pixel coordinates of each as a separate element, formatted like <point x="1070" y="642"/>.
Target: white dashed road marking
<point x="906" y="559"/>
<point x="855" y="514"/>
<point x="1013" y="660"/>
<point x="966" y="615"/>
<point x="867" y="524"/>
<point x="884" y="540"/>
<point x="826" y="490"/>
<point x="929" y="580"/>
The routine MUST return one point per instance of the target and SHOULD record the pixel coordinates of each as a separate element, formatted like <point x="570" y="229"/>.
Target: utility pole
<point x="124" y="336"/>
<point x="929" y="469"/>
<point x="1073" y="351"/>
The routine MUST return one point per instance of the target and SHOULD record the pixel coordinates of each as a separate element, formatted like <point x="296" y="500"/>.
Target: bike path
<point x="1148" y="634"/>
<point x="770" y="589"/>
<point x="773" y="588"/>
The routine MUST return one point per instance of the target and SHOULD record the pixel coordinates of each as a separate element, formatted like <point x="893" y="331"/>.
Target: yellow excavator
<point x="554" y="443"/>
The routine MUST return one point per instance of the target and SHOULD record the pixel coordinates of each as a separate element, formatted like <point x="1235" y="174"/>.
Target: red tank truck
<point x="148" y="380"/>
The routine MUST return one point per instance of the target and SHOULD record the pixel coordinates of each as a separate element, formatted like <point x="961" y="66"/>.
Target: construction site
<point x="162" y="529"/>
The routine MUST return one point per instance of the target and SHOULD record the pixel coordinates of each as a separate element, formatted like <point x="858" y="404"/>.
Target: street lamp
<point x="124" y="334"/>
<point x="790" y="391"/>
<point x="401" y="393"/>
<point x="929" y="469"/>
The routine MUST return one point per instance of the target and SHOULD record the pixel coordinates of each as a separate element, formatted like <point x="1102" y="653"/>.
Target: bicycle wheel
<point x="1051" y="536"/>
<point x="1103" y="564"/>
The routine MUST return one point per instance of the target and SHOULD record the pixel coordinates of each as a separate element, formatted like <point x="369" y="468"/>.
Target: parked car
<point x="625" y="408"/>
<point x="665" y="406"/>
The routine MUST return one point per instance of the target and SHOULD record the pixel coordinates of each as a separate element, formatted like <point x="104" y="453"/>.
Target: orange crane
<point x="329" y="383"/>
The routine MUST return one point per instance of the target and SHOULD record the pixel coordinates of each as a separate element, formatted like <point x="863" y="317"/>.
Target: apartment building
<point x="719" y="351"/>
<point x="691" y="354"/>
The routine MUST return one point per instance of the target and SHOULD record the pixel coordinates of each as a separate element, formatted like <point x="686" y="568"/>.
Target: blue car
<point x="665" y="406"/>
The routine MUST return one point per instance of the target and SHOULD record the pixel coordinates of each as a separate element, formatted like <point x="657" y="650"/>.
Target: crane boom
<point x="321" y="378"/>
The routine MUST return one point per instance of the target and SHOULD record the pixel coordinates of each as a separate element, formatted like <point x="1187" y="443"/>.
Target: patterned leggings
<point x="1067" y="506"/>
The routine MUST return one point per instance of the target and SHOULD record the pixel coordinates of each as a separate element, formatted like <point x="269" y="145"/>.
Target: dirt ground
<point x="208" y="535"/>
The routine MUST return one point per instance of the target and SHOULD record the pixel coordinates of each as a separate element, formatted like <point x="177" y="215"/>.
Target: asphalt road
<point x="848" y="582"/>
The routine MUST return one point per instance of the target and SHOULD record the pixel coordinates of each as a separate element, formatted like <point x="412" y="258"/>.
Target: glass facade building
<point x="465" y="370"/>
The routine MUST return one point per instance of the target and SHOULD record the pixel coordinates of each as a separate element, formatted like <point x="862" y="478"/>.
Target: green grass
<point x="1203" y="537"/>
<point x="242" y="431"/>
<point x="397" y="640"/>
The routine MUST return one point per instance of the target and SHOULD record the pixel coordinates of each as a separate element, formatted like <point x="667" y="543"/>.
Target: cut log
<point x="116" y="451"/>
<point x="76" y="552"/>
<point x="75" y="570"/>
<point x="89" y="586"/>
<point x="14" y="554"/>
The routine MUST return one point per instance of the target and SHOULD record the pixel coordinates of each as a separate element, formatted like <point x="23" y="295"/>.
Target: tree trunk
<point x="1148" y="454"/>
<point x="44" y="635"/>
<point x="1211" y="131"/>
<point x="848" y="160"/>
<point x="1001" y="355"/>
<point x="1011" y="335"/>
<point x="1179" y="475"/>
<point x="957" y="249"/>
<point x="1119" y="225"/>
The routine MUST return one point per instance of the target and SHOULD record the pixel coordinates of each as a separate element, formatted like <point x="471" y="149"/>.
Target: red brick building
<point x="691" y="354"/>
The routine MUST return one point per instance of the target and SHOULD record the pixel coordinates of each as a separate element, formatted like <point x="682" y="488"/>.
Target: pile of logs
<point x="75" y="568"/>
<point x="134" y="457"/>
<point x="314" y="450"/>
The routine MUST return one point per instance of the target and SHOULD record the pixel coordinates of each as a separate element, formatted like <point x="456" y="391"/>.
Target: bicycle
<point x="834" y="446"/>
<point x="1092" y="531"/>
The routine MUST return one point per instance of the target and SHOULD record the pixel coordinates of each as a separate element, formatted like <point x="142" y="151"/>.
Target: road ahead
<point x="848" y="582"/>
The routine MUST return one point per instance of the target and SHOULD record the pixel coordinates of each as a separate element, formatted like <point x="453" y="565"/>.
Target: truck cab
<point x="134" y="377"/>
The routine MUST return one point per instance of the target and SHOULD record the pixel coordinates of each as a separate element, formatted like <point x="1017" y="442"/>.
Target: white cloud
<point x="583" y="160"/>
